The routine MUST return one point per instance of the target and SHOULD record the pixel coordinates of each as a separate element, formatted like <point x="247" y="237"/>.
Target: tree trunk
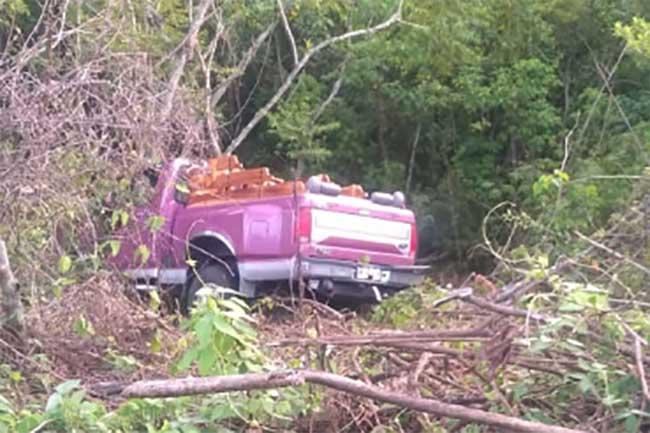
<point x="280" y="379"/>
<point x="11" y="310"/>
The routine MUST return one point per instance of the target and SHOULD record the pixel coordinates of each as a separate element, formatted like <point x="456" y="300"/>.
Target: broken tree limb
<point x="287" y="29"/>
<point x="614" y="253"/>
<point x="262" y="112"/>
<point x="638" y="355"/>
<point x="11" y="314"/>
<point x="389" y="338"/>
<point x="335" y="90"/>
<point x="252" y="381"/>
<point x="185" y="56"/>
<point x="502" y="309"/>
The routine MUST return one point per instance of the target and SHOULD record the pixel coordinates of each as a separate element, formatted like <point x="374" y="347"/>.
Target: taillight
<point x="303" y="233"/>
<point x="414" y="241"/>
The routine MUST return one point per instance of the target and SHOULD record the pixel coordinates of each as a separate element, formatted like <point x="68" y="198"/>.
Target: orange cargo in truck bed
<point x="224" y="178"/>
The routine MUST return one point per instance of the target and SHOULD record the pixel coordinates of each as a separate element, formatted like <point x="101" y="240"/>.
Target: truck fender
<point x="216" y="236"/>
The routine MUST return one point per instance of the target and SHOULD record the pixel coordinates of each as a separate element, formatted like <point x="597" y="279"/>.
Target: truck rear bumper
<point x="396" y="277"/>
<point x="329" y="276"/>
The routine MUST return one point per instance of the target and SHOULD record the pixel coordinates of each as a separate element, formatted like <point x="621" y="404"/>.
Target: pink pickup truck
<point x="337" y="245"/>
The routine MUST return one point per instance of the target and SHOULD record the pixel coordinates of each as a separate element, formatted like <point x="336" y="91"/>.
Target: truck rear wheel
<point x="212" y="278"/>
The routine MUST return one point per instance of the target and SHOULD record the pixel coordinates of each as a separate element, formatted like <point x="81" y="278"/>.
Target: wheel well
<point x="204" y="248"/>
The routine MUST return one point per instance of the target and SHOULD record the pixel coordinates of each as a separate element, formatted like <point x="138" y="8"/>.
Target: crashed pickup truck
<point x="247" y="231"/>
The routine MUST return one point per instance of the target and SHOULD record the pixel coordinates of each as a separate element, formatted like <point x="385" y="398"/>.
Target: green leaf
<point x="222" y="325"/>
<point x="15" y="376"/>
<point x="83" y="327"/>
<point x="154" y="300"/>
<point x="222" y="411"/>
<point x="632" y="424"/>
<point x="114" y="246"/>
<point x="120" y="217"/>
<point x="28" y="423"/>
<point x="203" y="330"/>
<point x="206" y="360"/>
<point x="5" y="405"/>
<point x="124" y="218"/>
<point x="155" y="345"/>
<point x="187" y="359"/>
<point x="283" y="407"/>
<point x="155" y="222"/>
<point x="143" y="253"/>
<point x="65" y="264"/>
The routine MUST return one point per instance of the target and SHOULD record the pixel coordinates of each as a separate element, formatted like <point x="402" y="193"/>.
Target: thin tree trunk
<point x="414" y="148"/>
<point x="381" y="130"/>
<point x="185" y="56"/>
<point x="11" y="313"/>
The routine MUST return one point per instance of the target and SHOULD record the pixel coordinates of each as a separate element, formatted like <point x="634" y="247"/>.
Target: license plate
<point x="370" y="273"/>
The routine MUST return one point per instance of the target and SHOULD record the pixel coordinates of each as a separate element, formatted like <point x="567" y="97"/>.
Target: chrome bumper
<point x="398" y="277"/>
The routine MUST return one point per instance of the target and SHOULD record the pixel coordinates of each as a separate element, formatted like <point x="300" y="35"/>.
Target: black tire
<point x="208" y="273"/>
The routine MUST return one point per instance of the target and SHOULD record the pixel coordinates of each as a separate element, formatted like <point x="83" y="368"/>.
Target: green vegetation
<point x="520" y="131"/>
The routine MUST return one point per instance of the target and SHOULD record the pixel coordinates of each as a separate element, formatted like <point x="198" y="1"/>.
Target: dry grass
<point x="96" y="332"/>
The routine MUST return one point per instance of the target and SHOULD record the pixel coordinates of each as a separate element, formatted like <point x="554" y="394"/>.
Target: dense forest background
<point x="518" y="129"/>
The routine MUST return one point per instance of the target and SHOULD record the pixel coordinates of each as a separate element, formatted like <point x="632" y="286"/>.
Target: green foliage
<point x="509" y="106"/>
<point x="67" y="410"/>
<point x="294" y="123"/>
<point x="636" y="34"/>
<point x="222" y="340"/>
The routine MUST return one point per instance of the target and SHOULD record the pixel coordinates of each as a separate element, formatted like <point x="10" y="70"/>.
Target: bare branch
<point x="206" y="61"/>
<point x="610" y="177"/>
<point x="388" y="338"/>
<point x="608" y="85"/>
<point x="335" y="90"/>
<point x="262" y="112"/>
<point x="567" y="145"/>
<point x="614" y="253"/>
<point x="592" y="109"/>
<point x="412" y="159"/>
<point x="638" y="356"/>
<point x="188" y="49"/>
<point x="287" y="29"/>
<point x="241" y="66"/>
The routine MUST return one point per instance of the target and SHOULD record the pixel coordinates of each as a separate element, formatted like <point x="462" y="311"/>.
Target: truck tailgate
<point x="358" y="230"/>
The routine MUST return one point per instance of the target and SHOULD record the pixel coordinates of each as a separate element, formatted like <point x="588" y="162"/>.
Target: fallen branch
<point x="614" y="253"/>
<point x="254" y="381"/>
<point x="466" y="294"/>
<point x="638" y="355"/>
<point x="502" y="309"/>
<point x="472" y="334"/>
